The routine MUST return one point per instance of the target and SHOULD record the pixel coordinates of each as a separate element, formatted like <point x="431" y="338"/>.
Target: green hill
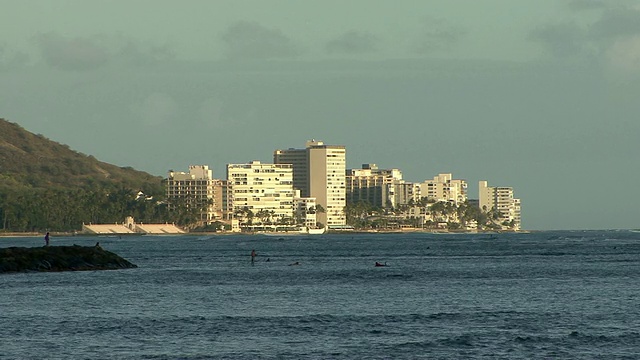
<point x="30" y="160"/>
<point x="44" y="185"/>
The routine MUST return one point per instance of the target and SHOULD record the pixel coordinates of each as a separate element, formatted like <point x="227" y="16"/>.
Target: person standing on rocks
<point x="46" y="239"/>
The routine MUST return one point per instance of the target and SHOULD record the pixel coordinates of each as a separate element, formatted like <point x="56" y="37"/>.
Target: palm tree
<point x="263" y="215"/>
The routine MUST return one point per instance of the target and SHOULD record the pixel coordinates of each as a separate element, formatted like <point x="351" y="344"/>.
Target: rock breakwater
<point x="60" y="258"/>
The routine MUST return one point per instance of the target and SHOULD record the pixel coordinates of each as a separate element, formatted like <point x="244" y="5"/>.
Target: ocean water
<point x="541" y="295"/>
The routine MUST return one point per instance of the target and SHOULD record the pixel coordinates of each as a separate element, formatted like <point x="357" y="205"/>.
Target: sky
<point x="539" y="95"/>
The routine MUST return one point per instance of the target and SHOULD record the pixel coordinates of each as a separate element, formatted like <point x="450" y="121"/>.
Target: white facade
<point x="501" y="199"/>
<point x="195" y="188"/>
<point x="259" y="187"/>
<point x="305" y="210"/>
<point x="444" y="188"/>
<point x="327" y="166"/>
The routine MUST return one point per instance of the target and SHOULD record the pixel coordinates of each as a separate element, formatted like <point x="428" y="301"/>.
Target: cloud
<point x="581" y="5"/>
<point x="596" y="5"/>
<point x="613" y="21"/>
<point x="624" y="55"/>
<point x="561" y="39"/>
<point x="141" y="54"/>
<point x="157" y="109"/>
<point x="12" y="59"/>
<point x="71" y="53"/>
<point x="437" y="36"/>
<point x="616" y="23"/>
<point x="99" y="50"/>
<point x="212" y="113"/>
<point x="353" y="42"/>
<point x="612" y="38"/>
<point x="251" y="40"/>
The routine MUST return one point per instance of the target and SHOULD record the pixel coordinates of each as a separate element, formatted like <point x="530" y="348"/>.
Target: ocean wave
<point x="457" y="340"/>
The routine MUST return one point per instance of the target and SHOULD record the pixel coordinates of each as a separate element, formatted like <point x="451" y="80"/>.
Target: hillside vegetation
<point x="30" y="160"/>
<point x="44" y="185"/>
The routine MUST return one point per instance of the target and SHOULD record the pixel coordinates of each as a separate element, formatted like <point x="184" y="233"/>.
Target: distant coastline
<point x="391" y="231"/>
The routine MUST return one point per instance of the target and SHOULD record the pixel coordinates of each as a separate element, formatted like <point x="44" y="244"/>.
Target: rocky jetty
<point x="60" y="258"/>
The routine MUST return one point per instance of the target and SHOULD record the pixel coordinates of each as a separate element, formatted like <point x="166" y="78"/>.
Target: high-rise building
<point x="261" y="187"/>
<point x="327" y="166"/>
<point x="444" y="188"/>
<point x="374" y="186"/>
<point x="405" y="192"/>
<point x="300" y="163"/>
<point x="501" y="199"/>
<point x="195" y="189"/>
<point x="320" y="173"/>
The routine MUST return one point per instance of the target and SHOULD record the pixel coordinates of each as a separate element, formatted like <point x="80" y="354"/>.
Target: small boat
<point x="316" y="231"/>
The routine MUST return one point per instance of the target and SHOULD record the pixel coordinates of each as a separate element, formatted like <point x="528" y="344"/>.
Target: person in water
<point x="253" y="255"/>
<point x="46" y="239"/>
<point x="381" y="264"/>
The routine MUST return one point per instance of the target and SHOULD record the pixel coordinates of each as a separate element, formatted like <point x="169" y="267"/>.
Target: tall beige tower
<point x="327" y="169"/>
<point x="319" y="171"/>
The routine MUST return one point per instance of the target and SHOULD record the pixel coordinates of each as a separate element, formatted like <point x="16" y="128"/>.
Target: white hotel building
<point x="502" y="199"/>
<point x="444" y="188"/>
<point x="258" y="186"/>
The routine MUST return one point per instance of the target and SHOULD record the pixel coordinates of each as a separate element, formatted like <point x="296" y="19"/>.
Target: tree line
<point x="363" y="215"/>
<point x="65" y="210"/>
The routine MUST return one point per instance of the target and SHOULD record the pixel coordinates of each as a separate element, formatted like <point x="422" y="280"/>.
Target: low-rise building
<point x="305" y="210"/>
